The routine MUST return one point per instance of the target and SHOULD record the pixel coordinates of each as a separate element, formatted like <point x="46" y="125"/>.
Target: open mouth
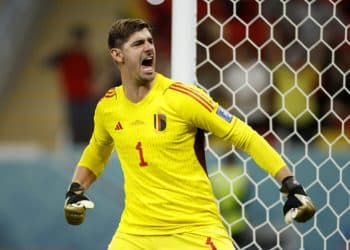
<point x="147" y="62"/>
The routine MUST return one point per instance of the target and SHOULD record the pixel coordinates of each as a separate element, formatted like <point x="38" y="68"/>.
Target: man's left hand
<point x="298" y="205"/>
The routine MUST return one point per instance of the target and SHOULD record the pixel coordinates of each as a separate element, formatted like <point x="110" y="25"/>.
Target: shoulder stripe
<point x="195" y="91"/>
<point x="110" y="93"/>
<point x="195" y="95"/>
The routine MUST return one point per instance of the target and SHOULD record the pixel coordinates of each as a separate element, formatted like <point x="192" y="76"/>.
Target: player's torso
<point x="149" y="137"/>
<point x="165" y="183"/>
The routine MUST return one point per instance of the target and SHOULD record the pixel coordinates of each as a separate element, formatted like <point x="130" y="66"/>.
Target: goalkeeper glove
<point x="298" y="205"/>
<point x="76" y="204"/>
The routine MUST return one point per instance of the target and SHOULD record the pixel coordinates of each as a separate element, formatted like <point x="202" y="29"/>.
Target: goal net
<point x="283" y="67"/>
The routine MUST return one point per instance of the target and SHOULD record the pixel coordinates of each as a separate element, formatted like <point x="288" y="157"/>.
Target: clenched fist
<point x="298" y="205"/>
<point x="76" y="204"/>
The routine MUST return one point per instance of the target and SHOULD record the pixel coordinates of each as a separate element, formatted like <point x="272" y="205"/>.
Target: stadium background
<point x="37" y="158"/>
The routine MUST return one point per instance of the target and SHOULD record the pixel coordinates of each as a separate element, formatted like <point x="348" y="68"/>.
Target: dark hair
<point x="122" y="29"/>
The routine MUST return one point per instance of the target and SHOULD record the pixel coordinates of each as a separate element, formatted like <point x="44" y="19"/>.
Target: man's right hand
<point x="76" y="204"/>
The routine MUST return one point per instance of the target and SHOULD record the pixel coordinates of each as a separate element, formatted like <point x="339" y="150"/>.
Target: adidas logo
<point x="118" y="126"/>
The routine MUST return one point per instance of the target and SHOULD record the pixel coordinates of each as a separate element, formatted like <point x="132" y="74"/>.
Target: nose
<point x="148" y="46"/>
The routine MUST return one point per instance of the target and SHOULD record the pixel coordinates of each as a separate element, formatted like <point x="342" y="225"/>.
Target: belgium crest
<point x="159" y="122"/>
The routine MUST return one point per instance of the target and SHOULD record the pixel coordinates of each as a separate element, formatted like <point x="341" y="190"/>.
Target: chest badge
<point x="159" y="122"/>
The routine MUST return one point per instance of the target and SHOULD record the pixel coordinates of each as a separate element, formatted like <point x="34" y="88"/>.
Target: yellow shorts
<point x="203" y="239"/>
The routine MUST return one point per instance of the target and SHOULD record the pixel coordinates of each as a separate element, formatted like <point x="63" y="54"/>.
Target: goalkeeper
<point x="156" y="125"/>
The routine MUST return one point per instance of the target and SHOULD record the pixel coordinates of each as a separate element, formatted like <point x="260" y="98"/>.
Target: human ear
<point x="117" y="55"/>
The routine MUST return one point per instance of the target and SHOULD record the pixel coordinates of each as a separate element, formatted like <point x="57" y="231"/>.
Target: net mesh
<point x="283" y="67"/>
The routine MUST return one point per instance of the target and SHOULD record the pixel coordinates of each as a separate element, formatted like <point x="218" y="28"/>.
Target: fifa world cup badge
<point x="224" y="114"/>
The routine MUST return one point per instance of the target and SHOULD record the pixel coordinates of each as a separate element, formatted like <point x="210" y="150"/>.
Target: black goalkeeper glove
<point x="298" y="205"/>
<point x="76" y="204"/>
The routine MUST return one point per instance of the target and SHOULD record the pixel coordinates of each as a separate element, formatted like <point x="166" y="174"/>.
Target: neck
<point x="135" y="90"/>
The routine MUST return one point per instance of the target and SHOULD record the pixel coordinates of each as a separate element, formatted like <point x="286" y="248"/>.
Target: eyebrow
<point x="141" y="40"/>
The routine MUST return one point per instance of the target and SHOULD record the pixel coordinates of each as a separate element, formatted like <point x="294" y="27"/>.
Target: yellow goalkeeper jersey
<point x="160" y="144"/>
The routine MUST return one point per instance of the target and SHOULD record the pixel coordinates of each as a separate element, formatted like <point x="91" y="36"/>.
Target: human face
<point x="139" y="57"/>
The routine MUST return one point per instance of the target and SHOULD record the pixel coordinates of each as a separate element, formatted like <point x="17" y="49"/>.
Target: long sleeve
<point x="98" y="151"/>
<point x="198" y="108"/>
<point x="250" y="142"/>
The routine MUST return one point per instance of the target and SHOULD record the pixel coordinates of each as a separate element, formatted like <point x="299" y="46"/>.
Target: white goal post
<point x="282" y="66"/>
<point x="183" y="43"/>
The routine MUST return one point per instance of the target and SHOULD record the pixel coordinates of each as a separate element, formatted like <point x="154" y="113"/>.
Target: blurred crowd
<point x="284" y="74"/>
